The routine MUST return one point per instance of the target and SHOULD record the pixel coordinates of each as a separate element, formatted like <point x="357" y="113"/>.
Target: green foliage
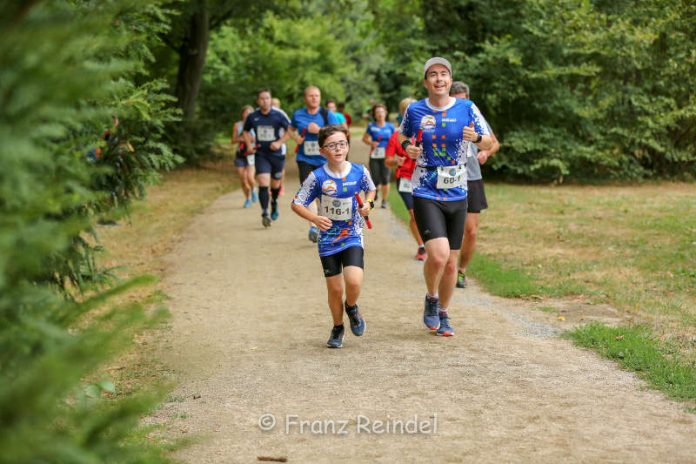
<point x="635" y="348"/>
<point x="326" y="46"/>
<point x="577" y="89"/>
<point x="65" y="68"/>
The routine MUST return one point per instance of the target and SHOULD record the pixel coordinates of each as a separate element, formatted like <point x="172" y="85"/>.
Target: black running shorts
<point x="333" y="264"/>
<point x="440" y="219"/>
<point x="270" y="164"/>
<point x="379" y="171"/>
<point x="476" y="196"/>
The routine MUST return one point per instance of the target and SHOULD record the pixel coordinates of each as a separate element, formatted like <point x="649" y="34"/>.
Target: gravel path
<point x="247" y="339"/>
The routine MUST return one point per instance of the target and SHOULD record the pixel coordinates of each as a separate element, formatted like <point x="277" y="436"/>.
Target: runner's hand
<point x="313" y="128"/>
<point x="374" y="145"/>
<point x="365" y="210"/>
<point x="275" y="145"/>
<point x="299" y="140"/>
<point x="413" y="151"/>
<point x="323" y="223"/>
<point x="470" y="133"/>
<point x="483" y="156"/>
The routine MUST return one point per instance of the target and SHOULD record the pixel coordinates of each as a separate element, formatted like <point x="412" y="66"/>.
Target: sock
<point x="432" y="297"/>
<point x="442" y="313"/>
<point x="263" y="198"/>
<point x="421" y="247"/>
<point x="339" y="325"/>
<point x="274" y="194"/>
<point x="349" y="307"/>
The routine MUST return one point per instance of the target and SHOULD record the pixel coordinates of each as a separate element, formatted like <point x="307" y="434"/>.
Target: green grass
<point x="635" y="348"/>
<point x="493" y="275"/>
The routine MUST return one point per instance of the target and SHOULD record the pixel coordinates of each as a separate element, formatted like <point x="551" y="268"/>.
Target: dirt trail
<point x="248" y="336"/>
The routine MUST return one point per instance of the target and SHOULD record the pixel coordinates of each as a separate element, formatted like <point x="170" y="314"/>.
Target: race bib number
<point x="337" y="209"/>
<point x="265" y="134"/>
<point x="451" y="176"/>
<point x="405" y="185"/>
<point x="378" y="153"/>
<point x="251" y="159"/>
<point x="311" y="148"/>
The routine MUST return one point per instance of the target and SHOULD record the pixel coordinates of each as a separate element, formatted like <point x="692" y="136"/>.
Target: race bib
<point x="405" y="185"/>
<point x="451" y="176"/>
<point x="337" y="209"/>
<point x="251" y="159"/>
<point x="311" y="148"/>
<point x="378" y="153"/>
<point x="265" y="134"/>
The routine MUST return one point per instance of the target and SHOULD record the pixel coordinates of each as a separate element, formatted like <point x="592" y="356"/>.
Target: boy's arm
<point x="321" y="222"/>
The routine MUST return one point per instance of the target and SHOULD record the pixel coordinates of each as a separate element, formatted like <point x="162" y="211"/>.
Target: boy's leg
<point x="334" y="287"/>
<point x="353" y="273"/>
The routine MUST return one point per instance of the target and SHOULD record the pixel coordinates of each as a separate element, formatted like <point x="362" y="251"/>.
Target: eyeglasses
<point x="336" y="145"/>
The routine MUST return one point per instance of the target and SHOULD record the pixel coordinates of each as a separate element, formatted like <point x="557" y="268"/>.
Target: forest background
<point x="97" y="98"/>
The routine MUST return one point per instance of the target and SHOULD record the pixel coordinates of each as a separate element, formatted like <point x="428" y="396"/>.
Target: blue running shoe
<point x="430" y="316"/>
<point x="313" y="234"/>
<point x="274" y="211"/>
<point x="445" y="329"/>
<point x="254" y="196"/>
<point x="336" y="338"/>
<point x="247" y="203"/>
<point x="357" y="323"/>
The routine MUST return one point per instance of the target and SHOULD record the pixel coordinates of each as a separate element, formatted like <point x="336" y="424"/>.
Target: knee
<point x="438" y="258"/>
<point x="335" y="291"/>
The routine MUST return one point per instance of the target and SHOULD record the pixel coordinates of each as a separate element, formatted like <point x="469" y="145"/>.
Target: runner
<point x="275" y="102"/>
<point x="270" y="126"/>
<point x="304" y="128"/>
<point x="342" y="110"/>
<point x="397" y="159"/>
<point x="476" y="198"/>
<point x="331" y="106"/>
<point x="243" y="162"/>
<point x="377" y="136"/>
<point x="341" y="223"/>
<point x="447" y="126"/>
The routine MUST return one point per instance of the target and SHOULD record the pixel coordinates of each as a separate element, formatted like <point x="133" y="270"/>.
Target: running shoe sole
<point x="266" y="221"/>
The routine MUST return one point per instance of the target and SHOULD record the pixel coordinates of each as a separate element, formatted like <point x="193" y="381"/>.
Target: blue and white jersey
<point x="268" y="128"/>
<point x="309" y="150"/>
<point x="336" y="193"/>
<point x="440" y="172"/>
<point x="380" y="135"/>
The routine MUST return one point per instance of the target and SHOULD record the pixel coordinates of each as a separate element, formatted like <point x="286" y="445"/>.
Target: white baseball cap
<point x="437" y="60"/>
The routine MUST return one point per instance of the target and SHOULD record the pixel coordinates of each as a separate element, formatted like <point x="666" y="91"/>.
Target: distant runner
<point x="377" y="136"/>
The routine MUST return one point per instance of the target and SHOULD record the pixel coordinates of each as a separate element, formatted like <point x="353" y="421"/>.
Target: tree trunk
<point x="192" y="59"/>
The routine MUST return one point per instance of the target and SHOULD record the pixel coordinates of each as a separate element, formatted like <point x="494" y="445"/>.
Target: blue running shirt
<point x="440" y="172"/>
<point x="337" y="202"/>
<point x="381" y="135"/>
<point x="309" y="150"/>
<point x="268" y="128"/>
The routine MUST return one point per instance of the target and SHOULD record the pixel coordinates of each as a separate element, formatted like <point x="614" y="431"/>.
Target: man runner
<point x="304" y="128"/>
<point x="447" y="125"/>
<point x="270" y="127"/>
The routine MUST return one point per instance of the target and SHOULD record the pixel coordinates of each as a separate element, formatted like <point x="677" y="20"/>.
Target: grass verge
<point x="635" y="348"/>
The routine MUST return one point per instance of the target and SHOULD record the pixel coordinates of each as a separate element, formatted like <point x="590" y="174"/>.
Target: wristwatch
<point x="372" y="204"/>
<point x="479" y="138"/>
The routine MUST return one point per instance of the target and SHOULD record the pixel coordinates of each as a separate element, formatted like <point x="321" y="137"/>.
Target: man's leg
<point x="448" y="279"/>
<point x="434" y="268"/>
<point x="469" y="243"/>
